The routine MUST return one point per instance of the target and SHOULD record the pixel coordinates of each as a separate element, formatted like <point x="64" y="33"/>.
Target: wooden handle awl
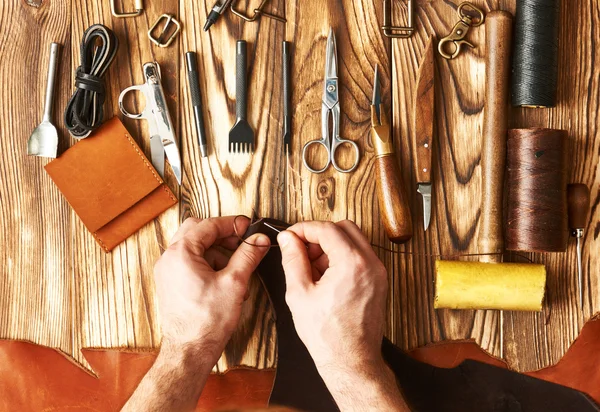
<point x="393" y="201"/>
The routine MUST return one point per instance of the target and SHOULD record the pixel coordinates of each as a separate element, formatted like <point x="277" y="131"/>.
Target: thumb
<point x="294" y="258"/>
<point x="247" y="256"/>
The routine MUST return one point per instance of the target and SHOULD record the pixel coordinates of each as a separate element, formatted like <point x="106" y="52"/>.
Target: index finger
<point x="204" y="234"/>
<point x="334" y="242"/>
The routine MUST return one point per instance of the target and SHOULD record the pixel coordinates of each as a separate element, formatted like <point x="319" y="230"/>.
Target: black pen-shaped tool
<point x="216" y="12"/>
<point x="287" y="116"/>
<point x="194" y="82"/>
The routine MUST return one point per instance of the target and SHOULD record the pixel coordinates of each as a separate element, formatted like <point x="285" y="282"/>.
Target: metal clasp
<point x="257" y="13"/>
<point x="160" y="40"/>
<point x="460" y="30"/>
<point x="397" y="32"/>
<point x="139" y="8"/>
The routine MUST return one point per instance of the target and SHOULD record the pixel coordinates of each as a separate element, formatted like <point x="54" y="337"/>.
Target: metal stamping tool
<point x="330" y="107"/>
<point x="456" y="38"/>
<point x="139" y="8"/>
<point x="241" y="135"/>
<point x="162" y="40"/>
<point x="156" y="113"/>
<point x="398" y="32"/>
<point x="424" y="120"/>
<point x="191" y="61"/>
<point x="43" y="141"/>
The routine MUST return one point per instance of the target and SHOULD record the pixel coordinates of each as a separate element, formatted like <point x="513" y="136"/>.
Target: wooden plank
<point x="35" y="286"/>
<point x="226" y="183"/>
<point x="114" y="293"/>
<point x="532" y="340"/>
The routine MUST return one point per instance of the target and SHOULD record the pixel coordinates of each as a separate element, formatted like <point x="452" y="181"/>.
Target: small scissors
<point x="330" y="105"/>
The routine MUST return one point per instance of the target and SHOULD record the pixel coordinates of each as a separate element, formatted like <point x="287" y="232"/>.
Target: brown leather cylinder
<point x="537" y="167"/>
<point x="495" y="124"/>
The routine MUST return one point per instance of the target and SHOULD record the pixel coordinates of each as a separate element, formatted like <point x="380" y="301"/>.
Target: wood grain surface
<point x="58" y="289"/>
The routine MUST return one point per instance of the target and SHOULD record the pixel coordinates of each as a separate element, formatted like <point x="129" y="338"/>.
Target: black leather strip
<point x="85" y="112"/>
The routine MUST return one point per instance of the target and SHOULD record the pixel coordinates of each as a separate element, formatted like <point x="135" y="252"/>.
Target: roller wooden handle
<point x="578" y="198"/>
<point x="495" y="125"/>
<point x="393" y="201"/>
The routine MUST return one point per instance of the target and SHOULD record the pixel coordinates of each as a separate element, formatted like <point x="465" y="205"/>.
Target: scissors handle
<point x="337" y="142"/>
<point x="142" y="89"/>
<point x="304" y="153"/>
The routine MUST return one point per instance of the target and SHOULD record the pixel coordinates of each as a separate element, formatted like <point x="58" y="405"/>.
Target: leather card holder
<point x="110" y="184"/>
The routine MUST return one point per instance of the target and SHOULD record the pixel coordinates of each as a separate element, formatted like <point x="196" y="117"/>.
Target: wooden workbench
<point x="59" y="289"/>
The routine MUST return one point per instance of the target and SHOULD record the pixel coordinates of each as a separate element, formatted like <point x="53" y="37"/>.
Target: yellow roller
<point x="502" y="286"/>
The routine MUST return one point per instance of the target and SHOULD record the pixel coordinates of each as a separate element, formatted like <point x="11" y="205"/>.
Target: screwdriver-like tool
<point x="216" y="12"/>
<point x="578" y="196"/>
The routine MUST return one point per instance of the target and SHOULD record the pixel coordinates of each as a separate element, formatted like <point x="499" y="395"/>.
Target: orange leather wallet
<point x="110" y="184"/>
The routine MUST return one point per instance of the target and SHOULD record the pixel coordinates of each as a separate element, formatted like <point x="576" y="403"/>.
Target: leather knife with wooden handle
<point x="391" y="193"/>
<point x="424" y="103"/>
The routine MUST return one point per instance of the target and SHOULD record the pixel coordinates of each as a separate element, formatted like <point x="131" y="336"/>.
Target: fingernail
<point x="262" y="240"/>
<point x="283" y="238"/>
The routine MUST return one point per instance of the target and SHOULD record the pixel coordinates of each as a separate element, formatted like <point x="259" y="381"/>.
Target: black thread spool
<point x="535" y="57"/>
<point x="537" y="170"/>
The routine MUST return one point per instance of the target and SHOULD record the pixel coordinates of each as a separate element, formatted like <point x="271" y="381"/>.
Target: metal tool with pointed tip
<point x="424" y="120"/>
<point x="43" y="141"/>
<point x="578" y="197"/>
<point x="241" y="135"/>
<point x="156" y="113"/>
<point x="391" y="192"/>
<point x="330" y="108"/>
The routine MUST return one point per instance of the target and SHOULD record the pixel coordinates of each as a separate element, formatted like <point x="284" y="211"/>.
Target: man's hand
<point x="200" y="289"/>
<point x="337" y="292"/>
<point x="200" y="293"/>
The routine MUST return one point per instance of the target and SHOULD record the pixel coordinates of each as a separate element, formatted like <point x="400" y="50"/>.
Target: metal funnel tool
<point x="44" y="139"/>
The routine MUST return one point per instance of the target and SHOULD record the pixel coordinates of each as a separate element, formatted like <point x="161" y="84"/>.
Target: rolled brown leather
<point x="495" y="127"/>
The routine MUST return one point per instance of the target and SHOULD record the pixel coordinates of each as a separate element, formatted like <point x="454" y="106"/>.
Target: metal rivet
<point x="426" y="145"/>
<point x="425" y="170"/>
<point x="331" y="88"/>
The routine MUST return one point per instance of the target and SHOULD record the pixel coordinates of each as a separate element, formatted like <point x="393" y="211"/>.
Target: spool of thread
<point x="501" y="286"/>
<point x="537" y="175"/>
<point x="535" y="56"/>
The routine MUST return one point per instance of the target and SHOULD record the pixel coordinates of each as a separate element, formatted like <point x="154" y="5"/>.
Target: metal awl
<point x="578" y="197"/>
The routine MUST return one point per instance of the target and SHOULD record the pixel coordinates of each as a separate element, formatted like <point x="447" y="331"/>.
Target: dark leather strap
<point x="85" y="111"/>
<point x="471" y="386"/>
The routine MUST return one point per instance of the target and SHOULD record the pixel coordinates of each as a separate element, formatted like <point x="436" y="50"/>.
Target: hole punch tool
<point x="160" y="41"/>
<point x="397" y="32"/>
<point x="139" y="8"/>
<point x="241" y="135"/>
<point x="330" y="107"/>
<point x="156" y="113"/>
<point x="470" y="16"/>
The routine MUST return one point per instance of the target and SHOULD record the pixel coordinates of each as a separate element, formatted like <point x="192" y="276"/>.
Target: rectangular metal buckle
<point x="397" y="32"/>
<point x="139" y="8"/>
<point x="160" y="40"/>
<point x="257" y="13"/>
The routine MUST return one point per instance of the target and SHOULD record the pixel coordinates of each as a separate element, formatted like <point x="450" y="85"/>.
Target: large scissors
<point x="331" y="106"/>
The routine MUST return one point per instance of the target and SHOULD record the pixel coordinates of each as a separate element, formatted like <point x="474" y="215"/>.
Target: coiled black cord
<point x="85" y="112"/>
<point x="535" y="60"/>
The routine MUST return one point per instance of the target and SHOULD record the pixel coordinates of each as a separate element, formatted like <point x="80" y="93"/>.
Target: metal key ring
<point x="122" y="107"/>
<point x="327" y="148"/>
<point x="336" y="144"/>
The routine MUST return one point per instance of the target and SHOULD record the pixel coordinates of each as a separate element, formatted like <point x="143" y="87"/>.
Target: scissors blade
<point x="172" y="152"/>
<point x="158" y="154"/>
<point x="331" y="56"/>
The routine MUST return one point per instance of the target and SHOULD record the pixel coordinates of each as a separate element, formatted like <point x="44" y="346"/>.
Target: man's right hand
<point x="337" y="292"/>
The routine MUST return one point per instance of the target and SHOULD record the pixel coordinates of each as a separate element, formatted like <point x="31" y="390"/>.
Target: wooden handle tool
<point x="578" y="199"/>
<point x="391" y="191"/>
<point x="424" y="120"/>
<point x="495" y="127"/>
